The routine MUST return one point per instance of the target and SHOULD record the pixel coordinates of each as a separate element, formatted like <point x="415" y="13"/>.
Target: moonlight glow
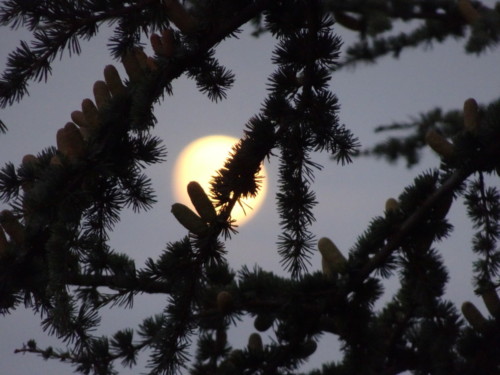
<point x="199" y="161"/>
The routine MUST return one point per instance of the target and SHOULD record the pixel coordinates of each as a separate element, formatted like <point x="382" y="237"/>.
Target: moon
<point x="199" y="161"/>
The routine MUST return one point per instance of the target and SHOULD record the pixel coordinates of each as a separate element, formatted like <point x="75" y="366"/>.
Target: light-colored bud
<point x="113" y="80"/>
<point x="474" y="316"/>
<point x="55" y="160"/>
<point x="333" y="261"/>
<point x="391" y="205"/>
<point x="439" y="144"/>
<point x="492" y="301"/>
<point x="90" y="113"/>
<point x="327" y="269"/>
<point x="224" y="301"/>
<point x="102" y="95"/>
<point x="189" y="219"/>
<point x="471" y="115"/>
<point x="176" y="13"/>
<point x="132" y="66"/>
<point x="70" y="141"/>
<point x="255" y="342"/>
<point x="29" y="158"/>
<point x="141" y="58"/>
<point x="79" y="119"/>
<point x="201" y="202"/>
<point x="469" y="13"/>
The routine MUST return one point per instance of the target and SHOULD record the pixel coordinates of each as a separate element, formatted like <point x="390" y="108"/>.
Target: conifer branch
<point x="440" y="21"/>
<point x="93" y="359"/>
<point x="135" y="285"/>
<point x="394" y="242"/>
<point x="65" y="199"/>
<point x="482" y="207"/>
<point x="54" y="31"/>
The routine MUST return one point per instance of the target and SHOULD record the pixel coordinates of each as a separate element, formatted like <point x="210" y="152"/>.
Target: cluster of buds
<point x="197" y="223"/>
<point x="136" y="64"/>
<point x="72" y="137"/>
<point x="85" y="122"/>
<point x="471" y="124"/>
<point x="333" y="262"/>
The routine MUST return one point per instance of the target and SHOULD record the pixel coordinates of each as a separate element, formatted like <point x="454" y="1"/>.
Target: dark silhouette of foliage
<point x="54" y="252"/>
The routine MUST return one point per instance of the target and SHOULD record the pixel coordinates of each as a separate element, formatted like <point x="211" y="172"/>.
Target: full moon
<point x="199" y="162"/>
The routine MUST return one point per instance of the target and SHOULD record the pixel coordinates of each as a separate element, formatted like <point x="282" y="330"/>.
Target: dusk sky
<point x="349" y="197"/>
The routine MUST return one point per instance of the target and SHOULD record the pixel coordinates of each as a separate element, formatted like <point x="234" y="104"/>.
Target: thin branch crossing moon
<point x="199" y="161"/>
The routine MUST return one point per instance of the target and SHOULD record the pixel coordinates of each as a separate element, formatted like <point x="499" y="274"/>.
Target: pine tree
<point x="64" y="201"/>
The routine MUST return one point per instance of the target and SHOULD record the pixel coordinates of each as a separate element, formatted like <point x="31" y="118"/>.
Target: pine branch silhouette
<point x="55" y="255"/>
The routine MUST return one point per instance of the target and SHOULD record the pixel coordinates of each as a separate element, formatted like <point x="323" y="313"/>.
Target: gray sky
<point x="348" y="196"/>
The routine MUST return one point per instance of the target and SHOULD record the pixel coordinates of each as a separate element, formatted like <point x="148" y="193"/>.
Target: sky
<point x="348" y="197"/>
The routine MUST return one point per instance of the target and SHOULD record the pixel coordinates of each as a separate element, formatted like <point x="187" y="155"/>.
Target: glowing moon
<point x="199" y="161"/>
